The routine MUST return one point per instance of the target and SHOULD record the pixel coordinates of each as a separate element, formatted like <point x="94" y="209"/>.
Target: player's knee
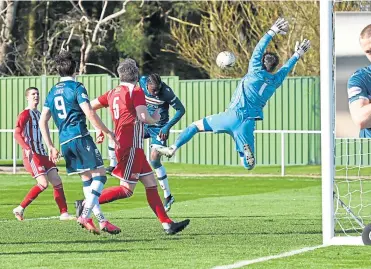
<point x="44" y="185"/>
<point x="155" y="163"/>
<point x="199" y="125"/>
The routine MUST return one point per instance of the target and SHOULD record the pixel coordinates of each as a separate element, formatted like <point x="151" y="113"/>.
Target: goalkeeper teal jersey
<point x="258" y="85"/>
<point x="359" y="87"/>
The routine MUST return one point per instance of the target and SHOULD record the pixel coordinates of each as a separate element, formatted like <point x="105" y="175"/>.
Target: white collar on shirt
<point x="67" y="78"/>
<point x="129" y="85"/>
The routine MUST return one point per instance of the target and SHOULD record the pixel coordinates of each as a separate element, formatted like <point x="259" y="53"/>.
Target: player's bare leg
<point x="162" y="177"/>
<point x="111" y="157"/>
<point x="155" y="203"/>
<point x="42" y="184"/>
<point x="183" y="138"/>
<point x="58" y="193"/>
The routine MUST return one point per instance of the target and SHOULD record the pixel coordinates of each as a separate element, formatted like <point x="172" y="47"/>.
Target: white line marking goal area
<point x="268" y="258"/>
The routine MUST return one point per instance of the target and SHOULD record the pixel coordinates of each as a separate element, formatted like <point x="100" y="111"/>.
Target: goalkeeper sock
<point x="111" y="154"/>
<point x="186" y="135"/>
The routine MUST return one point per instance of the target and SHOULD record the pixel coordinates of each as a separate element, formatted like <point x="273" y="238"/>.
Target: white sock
<point x="89" y="202"/>
<point x="111" y="154"/>
<point x="96" y="209"/>
<point x="162" y="179"/>
<point x="92" y="200"/>
<point x="98" y="213"/>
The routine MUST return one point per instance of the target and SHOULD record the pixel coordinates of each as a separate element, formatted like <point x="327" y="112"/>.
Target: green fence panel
<point x="295" y="106"/>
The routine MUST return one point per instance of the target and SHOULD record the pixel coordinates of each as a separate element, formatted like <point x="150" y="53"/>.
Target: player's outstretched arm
<point x="145" y="117"/>
<point x="174" y="101"/>
<point x="360" y="111"/>
<point x="99" y="138"/>
<point x="45" y="132"/>
<point x="92" y="116"/>
<point x="300" y="50"/>
<point x="279" y="27"/>
<point x="180" y="111"/>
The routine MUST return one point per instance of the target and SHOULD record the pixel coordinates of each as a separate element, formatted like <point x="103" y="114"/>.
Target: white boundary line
<point x="32" y="219"/>
<point x="267" y="258"/>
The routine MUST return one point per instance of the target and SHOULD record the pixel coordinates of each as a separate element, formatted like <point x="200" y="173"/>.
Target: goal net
<point x="352" y="186"/>
<point x="346" y="163"/>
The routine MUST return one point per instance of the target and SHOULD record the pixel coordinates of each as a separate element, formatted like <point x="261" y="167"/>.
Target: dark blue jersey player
<point x="359" y="89"/>
<point x="248" y="100"/>
<point x="68" y="104"/>
<point x="160" y="96"/>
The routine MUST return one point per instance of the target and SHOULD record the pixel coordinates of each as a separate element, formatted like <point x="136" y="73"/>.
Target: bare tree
<point x="91" y="31"/>
<point x="237" y="26"/>
<point x="8" y="12"/>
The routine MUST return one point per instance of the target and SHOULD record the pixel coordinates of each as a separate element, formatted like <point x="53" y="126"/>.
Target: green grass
<point x="178" y="168"/>
<point x="232" y="219"/>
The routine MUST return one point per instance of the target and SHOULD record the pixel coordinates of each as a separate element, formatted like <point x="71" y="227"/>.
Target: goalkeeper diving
<point x="248" y="100"/>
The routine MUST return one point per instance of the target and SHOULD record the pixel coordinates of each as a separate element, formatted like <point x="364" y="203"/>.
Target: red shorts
<point x="132" y="165"/>
<point x="38" y="165"/>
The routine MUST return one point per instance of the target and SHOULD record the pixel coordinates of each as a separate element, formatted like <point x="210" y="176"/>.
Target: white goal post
<point x="332" y="230"/>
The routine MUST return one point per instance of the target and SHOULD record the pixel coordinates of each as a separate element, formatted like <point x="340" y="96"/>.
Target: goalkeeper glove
<point x="279" y="27"/>
<point x="303" y="47"/>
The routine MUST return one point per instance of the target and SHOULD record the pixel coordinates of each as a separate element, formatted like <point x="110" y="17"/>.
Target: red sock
<point x="155" y="203"/>
<point x="60" y="198"/>
<point x="114" y="193"/>
<point x="31" y="195"/>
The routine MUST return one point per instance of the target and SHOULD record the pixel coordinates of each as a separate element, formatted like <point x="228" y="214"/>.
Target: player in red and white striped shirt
<point x="35" y="158"/>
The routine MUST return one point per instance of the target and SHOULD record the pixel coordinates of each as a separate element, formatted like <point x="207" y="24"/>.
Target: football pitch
<point x="233" y="218"/>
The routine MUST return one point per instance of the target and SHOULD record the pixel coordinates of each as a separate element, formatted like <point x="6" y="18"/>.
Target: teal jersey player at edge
<point x="68" y="104"/>
<point x="359" y="89"/>
<point x="248" y="100"/>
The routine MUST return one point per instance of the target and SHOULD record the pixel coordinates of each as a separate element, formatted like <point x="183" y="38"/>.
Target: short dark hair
<point x="128" y="71"/>
<point x="366" y="32"/>
<point x="155" y="80"/>
<point x="66" y="65"/>
<point x="270" y="61"/>
<point x="29" y="89"/>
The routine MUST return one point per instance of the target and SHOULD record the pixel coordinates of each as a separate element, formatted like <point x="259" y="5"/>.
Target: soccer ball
<point x="225" y="59"/>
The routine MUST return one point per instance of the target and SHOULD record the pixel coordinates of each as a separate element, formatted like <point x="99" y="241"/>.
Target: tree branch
<point x="102" y="67"/>
<point x="115" y="15"/>
<point x="183" y="22"/>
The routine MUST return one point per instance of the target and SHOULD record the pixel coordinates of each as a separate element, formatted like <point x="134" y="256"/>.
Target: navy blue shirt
<point x="64" y="101"/>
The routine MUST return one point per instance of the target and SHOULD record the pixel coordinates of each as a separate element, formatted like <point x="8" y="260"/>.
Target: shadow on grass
<point x="97" y="251"/>
<point x="109" y="241"/>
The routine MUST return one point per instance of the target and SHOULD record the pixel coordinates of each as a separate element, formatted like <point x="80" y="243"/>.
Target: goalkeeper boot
<point x="168" y="202"/>
<point x="18" y="213"/>
<point x="109" y="170"/>
<point x="166" y="151"/>
<point x="108" y="227"/>
<point x="88" y="224"/>
<point x="79" y="207"/>
<point x="249" y="155"/>
<point x="176" y="227"/>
